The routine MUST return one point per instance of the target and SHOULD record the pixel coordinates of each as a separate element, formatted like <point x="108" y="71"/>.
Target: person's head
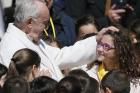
<point x="78" y="73"/>
<point x="115" y="81"/>
<point x="25" y="62"/>
<point x="88" y="84"/>
<point x="3" y="71"/>
<point x="43" y="84"/>
<point x="32" y="17"/>
<point x="93" y="86"/>
<point x="135" y="31"/>
<point x="116" y="50"/>
<point x="68" y="84"/>
<point x="82" y="76"/>
<point x="16" y="84"/>
<point x="106" y="49"/>
<point x="86" y="25"/>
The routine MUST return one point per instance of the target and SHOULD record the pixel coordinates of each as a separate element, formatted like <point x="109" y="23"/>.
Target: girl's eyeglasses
<point x="105" y="46"/>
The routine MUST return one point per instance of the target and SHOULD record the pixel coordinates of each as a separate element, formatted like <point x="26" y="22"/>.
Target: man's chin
<point x="36" y="40"/>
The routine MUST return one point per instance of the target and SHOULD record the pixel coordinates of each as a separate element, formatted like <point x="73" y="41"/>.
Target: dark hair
<point x="3" y="70"/>
<point x="93" y="86"/>
<point x="88" y="84"/>
<point x="43" y="84"/>
<point x="78" y="73"/>
<point x="22" y="62"/>
<point x="85" y="20"/>
<point x="68" y="84"/>
<point x="125" y="53"/>
<point x="16" y="84"/>
<point x="117" y="81"/>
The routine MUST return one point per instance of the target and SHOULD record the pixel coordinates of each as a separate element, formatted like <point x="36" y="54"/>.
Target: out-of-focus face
<point x="105" y="48"/>
<point x="40" y="23"/>
<point x="87" y="29"/>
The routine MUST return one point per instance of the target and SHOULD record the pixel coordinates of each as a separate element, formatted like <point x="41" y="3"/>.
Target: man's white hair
<point x="25" y="9"/>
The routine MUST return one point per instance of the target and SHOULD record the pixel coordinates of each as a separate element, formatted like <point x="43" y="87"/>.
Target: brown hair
<point x="125" y="54"/>
<point x="22" y="62"/>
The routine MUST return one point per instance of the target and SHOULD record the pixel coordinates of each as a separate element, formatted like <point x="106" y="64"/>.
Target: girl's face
<point x="106" y="48"/>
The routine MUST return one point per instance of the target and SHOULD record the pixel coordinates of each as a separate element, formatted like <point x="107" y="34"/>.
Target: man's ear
<point x="108" y="90"/>
<point x="29" y="22"/>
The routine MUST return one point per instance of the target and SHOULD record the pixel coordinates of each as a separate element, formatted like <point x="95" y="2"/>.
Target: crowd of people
<point x="70" y="46"/>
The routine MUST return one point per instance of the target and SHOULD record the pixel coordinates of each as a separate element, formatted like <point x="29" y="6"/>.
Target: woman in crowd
<point x="25" y="63"/>
<point x="115" y="50"/>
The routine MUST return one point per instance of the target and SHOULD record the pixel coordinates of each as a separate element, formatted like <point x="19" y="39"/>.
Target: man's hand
<point x="104" y="30"/>
<point x="43" y="72"/>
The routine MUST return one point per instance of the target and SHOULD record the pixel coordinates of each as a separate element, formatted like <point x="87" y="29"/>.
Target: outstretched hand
<point x="43" y="72"/>
<point x="104" y="30"/>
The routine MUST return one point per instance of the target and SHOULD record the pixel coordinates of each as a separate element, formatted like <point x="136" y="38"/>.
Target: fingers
<point x="44" y="72"/>
<point x="113" y="6"/>
<point x="118" y="11"/>
<point x="129" y="7"/>
<point x="104" y="30"/>
<point x="116" y="17"/>
<point x="112" y="28"/>
<point x="114" y="14"/>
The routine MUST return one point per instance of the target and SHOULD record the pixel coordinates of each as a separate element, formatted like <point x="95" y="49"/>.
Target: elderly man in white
<point x="31" y="17"/>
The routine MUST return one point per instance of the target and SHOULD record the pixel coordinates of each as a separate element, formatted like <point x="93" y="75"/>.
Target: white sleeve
<point x="82" y="52"/>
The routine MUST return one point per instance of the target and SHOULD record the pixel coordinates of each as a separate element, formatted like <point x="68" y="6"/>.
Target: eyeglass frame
<point x="105" y="46"/>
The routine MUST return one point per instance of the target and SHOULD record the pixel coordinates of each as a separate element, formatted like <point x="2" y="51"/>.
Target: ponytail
<point x="12" y="71"/>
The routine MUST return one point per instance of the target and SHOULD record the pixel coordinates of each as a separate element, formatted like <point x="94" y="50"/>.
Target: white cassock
<point x="55" y="59"/>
